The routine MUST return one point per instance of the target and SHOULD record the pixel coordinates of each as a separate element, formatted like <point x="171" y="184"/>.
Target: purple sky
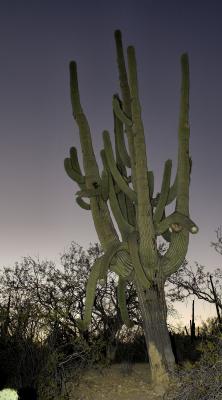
<point x="38" y="213"/>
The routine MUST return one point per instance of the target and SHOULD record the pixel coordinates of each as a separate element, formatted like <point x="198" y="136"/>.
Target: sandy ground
<point x="118" y="382"/>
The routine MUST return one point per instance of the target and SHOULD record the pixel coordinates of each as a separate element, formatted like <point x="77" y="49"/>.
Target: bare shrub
<point x="202" y="380"/>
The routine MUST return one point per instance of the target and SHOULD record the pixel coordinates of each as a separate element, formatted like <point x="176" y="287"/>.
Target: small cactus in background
<point x="140" y="214"/>
<point x="192" y="325"/>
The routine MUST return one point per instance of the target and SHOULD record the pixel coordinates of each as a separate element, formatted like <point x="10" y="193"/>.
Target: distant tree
<point x="205" y="285"/>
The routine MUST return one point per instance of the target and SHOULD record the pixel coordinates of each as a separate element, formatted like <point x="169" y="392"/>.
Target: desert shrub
<point x="64" y="366"/>
<point x="202" y="380"/>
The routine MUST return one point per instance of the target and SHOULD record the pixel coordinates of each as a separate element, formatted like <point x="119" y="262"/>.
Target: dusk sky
<point x="38" y="213"/>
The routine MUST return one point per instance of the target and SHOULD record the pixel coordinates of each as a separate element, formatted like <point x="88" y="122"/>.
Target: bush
<point x="202" y="380"/>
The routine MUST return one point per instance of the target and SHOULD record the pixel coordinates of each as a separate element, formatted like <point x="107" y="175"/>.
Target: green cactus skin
<point x="139" y="215"/>
<point x="113" y="169"/>
<point x="150" y="177"/>
<point x="158" y="214"/>
<point x="120" y="113"/>
<point x="120" y="142"/>
<point x="83" y="204"/>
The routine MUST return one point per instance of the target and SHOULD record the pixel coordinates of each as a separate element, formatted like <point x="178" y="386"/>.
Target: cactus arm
<point x="94" y="275"/>
<point x="183" y="170"/>
<point x="120" y="142"/>
<point x="110" y="254"/>
<point x="122" y="160"/>
<point x="126" y="97"/>
<point x="172" y="192"/>
<point x="164" y="192"/>
<point x="114" y="171"/>
<point x="176" y="222"/>
<point x="124" y="85"/>
<point x="99" y="271"/>
<point x="151" y="183"/>
<point x="89" y="159"/>
<point x="73" y="169"/>
<point x="105" y="185"/>
<point x="74" y="160"/>
<point x="139" y="271"/>
<point x="122" y="265"/>
<point x="176" y="253"/>
<point x="167" y="234"/>
<point x="121" y="295"/>
<point x="148" y="251"/>
<point x="72" y="173"/>
<point x="89" y="192"/>
<point x="83" y="204"/>
<point x="128" y="208"/>
<point x="120" y="114"/>
<point x="103" y="222"/>
<point x="131" y="215"/>
<point x="124" y="227"/>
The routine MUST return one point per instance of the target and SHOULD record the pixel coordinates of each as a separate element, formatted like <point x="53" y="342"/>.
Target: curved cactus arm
<point x="75" y="176"/>
<point x="94" y="275"/>
<point x="164" y="192"/>
<point x="176" y="222"/>
<point x="176" y="253"/>
<point x="120" y="114"/>
<point x="114" y="170"/>
<point x="143" y="278"/>
<point x="118" y="269"/>
<point x="123" y="258"/>
<point x="121" y="296"/>
<point x="99" y="271"/>
<point x="124" y="227"/>
<point x="108" y="257"/>
<point x="83" y="204"/>
<point x="89" y="192"/>
<point x="148" y="251"/>
<point x="120" y="142"/>
<point x="122" y="265"/>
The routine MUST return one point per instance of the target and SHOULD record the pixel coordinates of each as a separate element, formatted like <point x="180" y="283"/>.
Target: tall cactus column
<point x="132" y="252"/>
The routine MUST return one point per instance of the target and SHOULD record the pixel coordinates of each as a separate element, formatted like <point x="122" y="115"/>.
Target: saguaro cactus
<point x="192" y="325"/>
<point x="132" y="253"/>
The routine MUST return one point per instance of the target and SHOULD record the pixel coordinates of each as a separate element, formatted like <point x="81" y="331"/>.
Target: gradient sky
<point x="38" y="214"/>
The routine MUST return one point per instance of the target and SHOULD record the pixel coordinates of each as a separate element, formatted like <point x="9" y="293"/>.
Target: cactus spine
<point x="139" y="214"/>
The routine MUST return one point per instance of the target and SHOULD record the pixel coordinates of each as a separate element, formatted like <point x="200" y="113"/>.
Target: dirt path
<point x="119" y="382"/>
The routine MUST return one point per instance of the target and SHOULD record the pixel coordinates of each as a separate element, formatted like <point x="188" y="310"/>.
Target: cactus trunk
<point x="153" y="309"/>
